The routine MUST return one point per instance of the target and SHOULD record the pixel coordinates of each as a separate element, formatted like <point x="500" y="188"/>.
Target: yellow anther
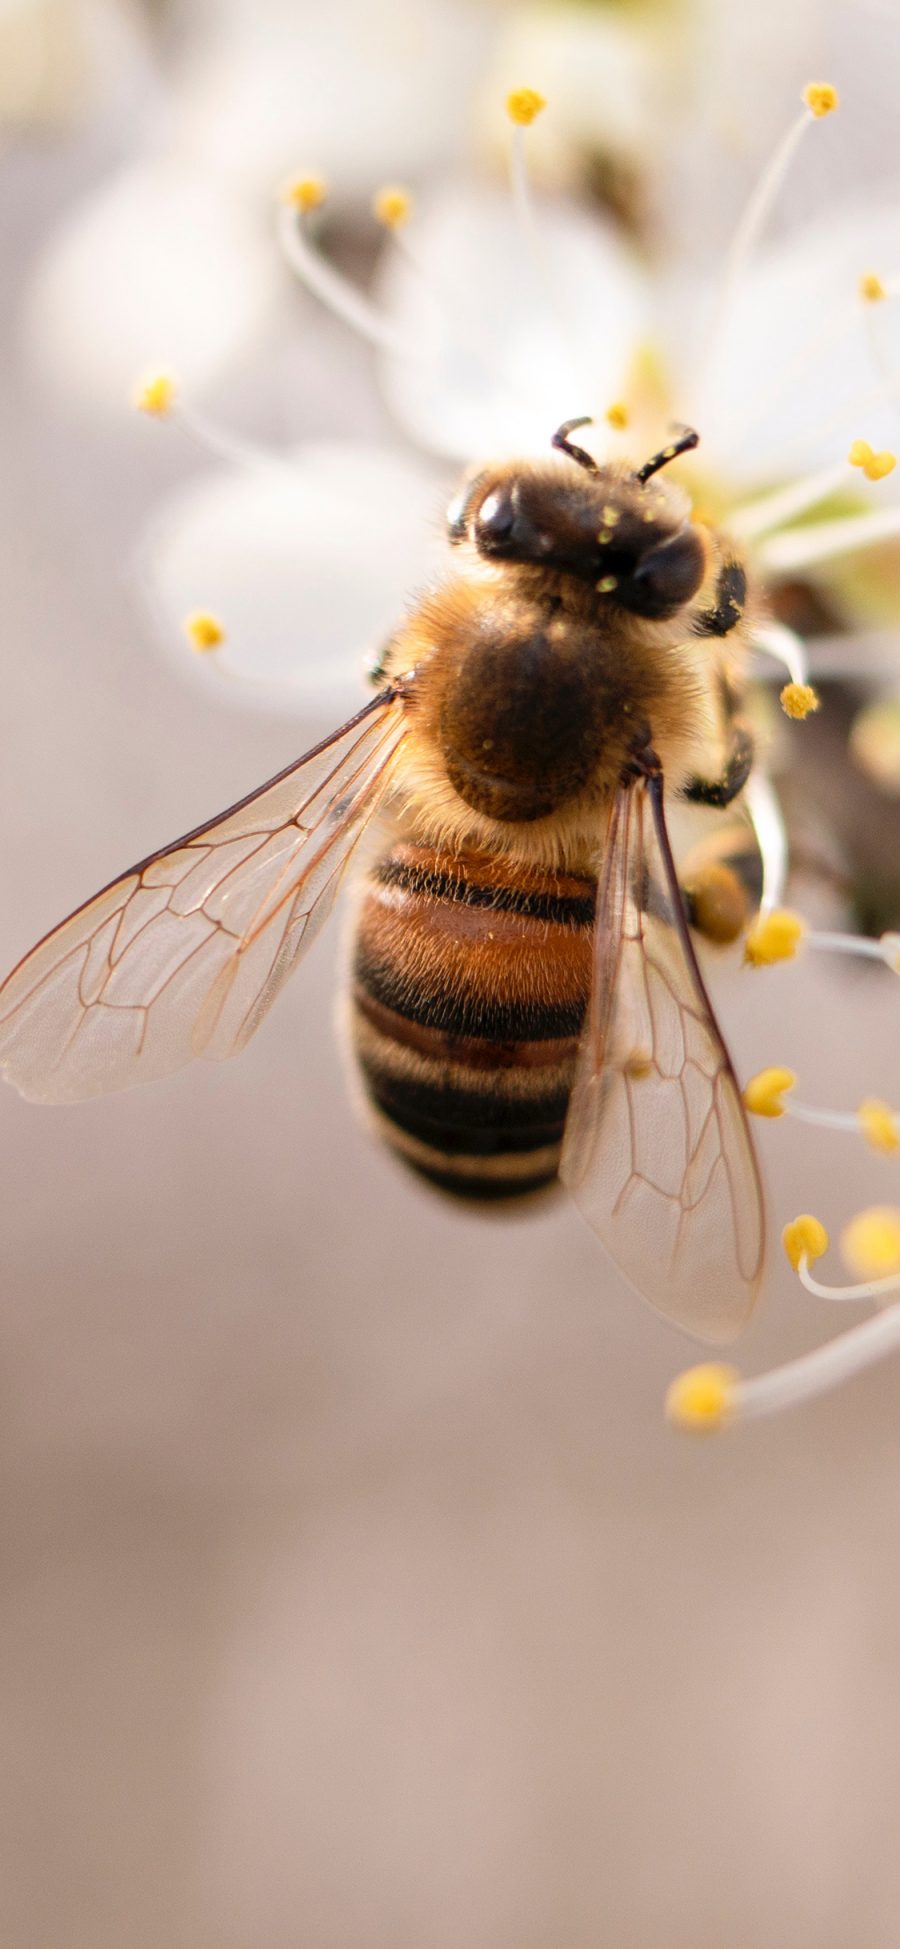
<point x="702" y="1398"/>
<point x="878" y="1124"/>
<point x="393" y="206"/>
<point x="871" y="1242"/>
<point x="155" y="394"/>
<point x="798" y="700"/>
<point x="204" y="631"/>
<point x="305" y="192"/>
<point x="821" y="98"/>
<point x="611" y="516"/>
<point x="871" y="288"/>
<point x="523" y="106"/>
<point x="804" y="1238"/>
<point x="617" y="415"/>
<point x="874" y="465"/>
<point x="764" y="1093"/>
<point x="775" y="936"/>
<point x="607" y="584"/>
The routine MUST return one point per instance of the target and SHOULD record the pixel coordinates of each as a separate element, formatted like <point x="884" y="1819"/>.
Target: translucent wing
<point x="657" y="1152"/>
<point x="184" y="954"/>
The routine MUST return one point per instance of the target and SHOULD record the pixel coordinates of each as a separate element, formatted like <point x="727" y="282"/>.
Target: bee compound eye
<point x="460" y="509"/>
<point x="496" y="516"/>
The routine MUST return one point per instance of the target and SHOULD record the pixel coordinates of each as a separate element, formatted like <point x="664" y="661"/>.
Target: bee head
<point x="633" y="542"/>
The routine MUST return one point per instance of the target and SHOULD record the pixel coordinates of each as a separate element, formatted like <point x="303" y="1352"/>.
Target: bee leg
<point x="726" y="611"/>
<point x="721" y="884"/>
<point x="377" y="669"/>
<point x="738" y="766"/>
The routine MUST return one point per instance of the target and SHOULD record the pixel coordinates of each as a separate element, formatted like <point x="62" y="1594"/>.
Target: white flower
<point x="170" y="256"/>
<point x="487" y="341"/>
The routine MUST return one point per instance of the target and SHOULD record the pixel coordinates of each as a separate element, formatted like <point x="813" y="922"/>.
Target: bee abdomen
<point x="471" y="980"/>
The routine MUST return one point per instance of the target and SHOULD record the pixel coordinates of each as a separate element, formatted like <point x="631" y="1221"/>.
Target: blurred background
<point x="354" y="1593"/>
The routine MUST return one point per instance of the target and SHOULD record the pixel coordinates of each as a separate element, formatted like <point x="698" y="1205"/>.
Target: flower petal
<point x="306" y="567"/>
<point x="350" y="97"/>
<point x="159" y="264"/>
<point x="527" y="371"/>
<point x="775" y="405"/>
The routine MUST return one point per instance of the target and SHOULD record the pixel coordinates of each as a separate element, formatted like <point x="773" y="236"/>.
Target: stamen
<point x="160" y="395"/>
<point x="777" y="641"/>
<point x="884" y="949"/>
<point x="203" y="630"/>
<point x="522" y="107"/>
<point x="336" y="292"/>
<point x="776" y="510"/>
<point x="701" y="1399"/>
<point x="872" y="290"/>
<point x="799" y="1380"/>
<point x="774" y="936"/>
<point x="305" y="192"/>
<point x="392" y="207"/>
<point x="870" y="1244"/>
<point x="764" y="1094"/>
<point x="823" y="540"/>
<point x="878" y="1123"/>
<point x="819" y="98"/>
<point x="155" y="394"/>
<point x="804" y="1239"/>
<point x="617" y="416"/>
<point x="798" y="700"/>
<point x="875" y="466"/>
<point x="874" y="1120"/>
<point x="764" y="812"/>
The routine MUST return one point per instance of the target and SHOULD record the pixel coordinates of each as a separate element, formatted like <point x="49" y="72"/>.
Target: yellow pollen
<point x="775" y="936"/>
<point x="611" y="516"/>
<point x="204" y="631"/>
<point x="798" y="700"/>
<point x="523" y="106"/>
<point x="804" y="1238"/>
<point x="305" y="192"/>
<point x="878" y="1124"/>
<point x="871" y="1242"/>
<point x="155" y="394"/>
<point x="763" y="1094"/>
<point x="606" y="584"/>
<point x="393" y="206"/>
<point x="617" y="415"/>
<point x="702" y="1398"/>
<point x="871" y="288"/>
<point x="874" y="465"/>
<point x="605" y="535"/>
<point x="821" y="98"/>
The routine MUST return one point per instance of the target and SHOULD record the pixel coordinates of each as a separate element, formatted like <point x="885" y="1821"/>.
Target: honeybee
<point x="526" y="1002"/>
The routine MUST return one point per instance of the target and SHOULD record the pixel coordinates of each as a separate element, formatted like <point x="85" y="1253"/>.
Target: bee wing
<point x="657" y="1151"/>
<point x="184" y="954"/>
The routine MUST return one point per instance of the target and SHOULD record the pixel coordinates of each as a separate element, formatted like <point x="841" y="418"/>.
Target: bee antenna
<point x="565" y="445"/>
<point x="686" y="441"/>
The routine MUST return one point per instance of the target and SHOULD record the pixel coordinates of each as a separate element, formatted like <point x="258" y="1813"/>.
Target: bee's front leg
<point x="733" y="777"/>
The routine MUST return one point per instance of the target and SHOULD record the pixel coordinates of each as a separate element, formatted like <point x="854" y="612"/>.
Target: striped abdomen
<point x="471" y="980"/>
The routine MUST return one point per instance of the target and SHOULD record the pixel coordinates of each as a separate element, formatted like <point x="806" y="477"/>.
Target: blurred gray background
<point x="353" y="1592"/>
